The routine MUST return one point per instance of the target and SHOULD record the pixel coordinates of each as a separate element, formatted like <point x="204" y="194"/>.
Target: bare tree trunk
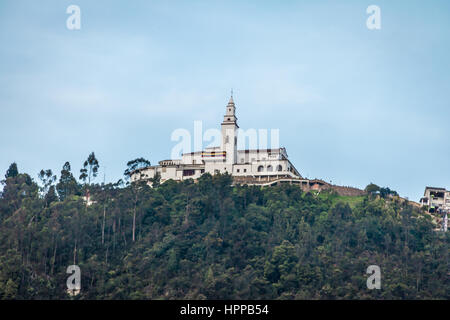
<point x="54" y="257"/>
<point x="103" y="224"/>
<point x="134" y="218"/>
<point x="114" y="235"/>
<point x="186" y="215"/>
<point x="75" y="252"/>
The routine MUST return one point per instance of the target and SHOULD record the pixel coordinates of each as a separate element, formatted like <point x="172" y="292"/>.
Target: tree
<point x="384" y="192"/>
<point x="67" y="184"/>
<point x="132" y="166"/>
<point x="10" y="290"/>
<point x="12" y="171"/>
<point x="47" y="178"/>
<point x="17" y="189"/>
<point x="372" y="188"/>
<point x="51" y="195"/>
<point x="90" y="169"/>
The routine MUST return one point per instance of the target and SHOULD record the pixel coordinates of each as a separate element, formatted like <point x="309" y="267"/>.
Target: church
<point x="250" y="166"/>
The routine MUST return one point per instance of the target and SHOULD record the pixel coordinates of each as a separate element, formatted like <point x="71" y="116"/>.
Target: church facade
<point x="250" y="166"/>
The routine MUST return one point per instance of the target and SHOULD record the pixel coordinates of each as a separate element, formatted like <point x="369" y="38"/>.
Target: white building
<point x="246" y="166"/>
<point x="438" y="201"/>
<point x="436" y="198"/>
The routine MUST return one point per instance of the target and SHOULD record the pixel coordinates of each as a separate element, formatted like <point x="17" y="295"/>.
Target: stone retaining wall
<point x="305" y="184"/>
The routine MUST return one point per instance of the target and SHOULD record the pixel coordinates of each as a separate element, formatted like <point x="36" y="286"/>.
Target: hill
<point x="211" y="240"/>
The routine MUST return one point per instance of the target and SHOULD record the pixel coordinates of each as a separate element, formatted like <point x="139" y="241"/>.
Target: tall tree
<point x="132" y="166"/>
<point x="90" y="169"/>
<point x="48" y="179"/>
<point x="12" y="171"/>
<point x="51" y="196"/>
<point x="67" y="184"/>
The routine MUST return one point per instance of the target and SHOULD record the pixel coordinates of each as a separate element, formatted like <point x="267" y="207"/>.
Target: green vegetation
<point x="352" y="201"/>
<point x="209" y="240"/>
<point x="373" y="189"/>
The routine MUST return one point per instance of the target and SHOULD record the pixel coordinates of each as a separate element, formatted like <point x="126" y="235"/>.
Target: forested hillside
<point x="209" y="240"/>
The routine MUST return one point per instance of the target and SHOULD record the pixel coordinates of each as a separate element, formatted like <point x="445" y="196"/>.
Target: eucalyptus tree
<point x="47" y="178"/>
<point x="135" y="166"/>
<point x="90" y="169"/>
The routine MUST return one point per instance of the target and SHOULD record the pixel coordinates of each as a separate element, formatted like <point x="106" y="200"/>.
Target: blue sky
<point x="353" y="105"/>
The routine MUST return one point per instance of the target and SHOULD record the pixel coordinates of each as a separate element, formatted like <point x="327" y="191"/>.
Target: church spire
<point x="231" y="101"/>
<point x="229" y="133"/>
<point x="230" y="114"/>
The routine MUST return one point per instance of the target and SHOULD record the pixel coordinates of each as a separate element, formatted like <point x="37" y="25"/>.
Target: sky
<point x="353" y="105"/>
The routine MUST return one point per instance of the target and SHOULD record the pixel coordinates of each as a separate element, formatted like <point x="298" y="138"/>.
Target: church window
<point x="269" y="168"/>
<point x="260" y="169"/>
<point x="227" y="139"/>
<point x="279" y="168"/>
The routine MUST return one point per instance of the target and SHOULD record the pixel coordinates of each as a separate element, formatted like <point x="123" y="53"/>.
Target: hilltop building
<point x="260" y="165"/>
<point x="436" y="198"/>
<point x="264" y="167"/>
<point x="438" y="201"/>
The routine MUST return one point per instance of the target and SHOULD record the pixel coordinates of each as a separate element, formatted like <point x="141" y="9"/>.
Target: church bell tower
<point x="229" y="132"/>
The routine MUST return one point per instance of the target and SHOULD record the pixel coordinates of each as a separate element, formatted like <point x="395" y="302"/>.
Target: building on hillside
<point x="263" y="167"/>
<point x="254" y="165"/>
<point x="438" y="201"/>
<point x="435" y="199"/>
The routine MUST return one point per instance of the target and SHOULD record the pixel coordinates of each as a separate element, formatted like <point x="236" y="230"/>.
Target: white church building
<point x="252" y="166"/>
